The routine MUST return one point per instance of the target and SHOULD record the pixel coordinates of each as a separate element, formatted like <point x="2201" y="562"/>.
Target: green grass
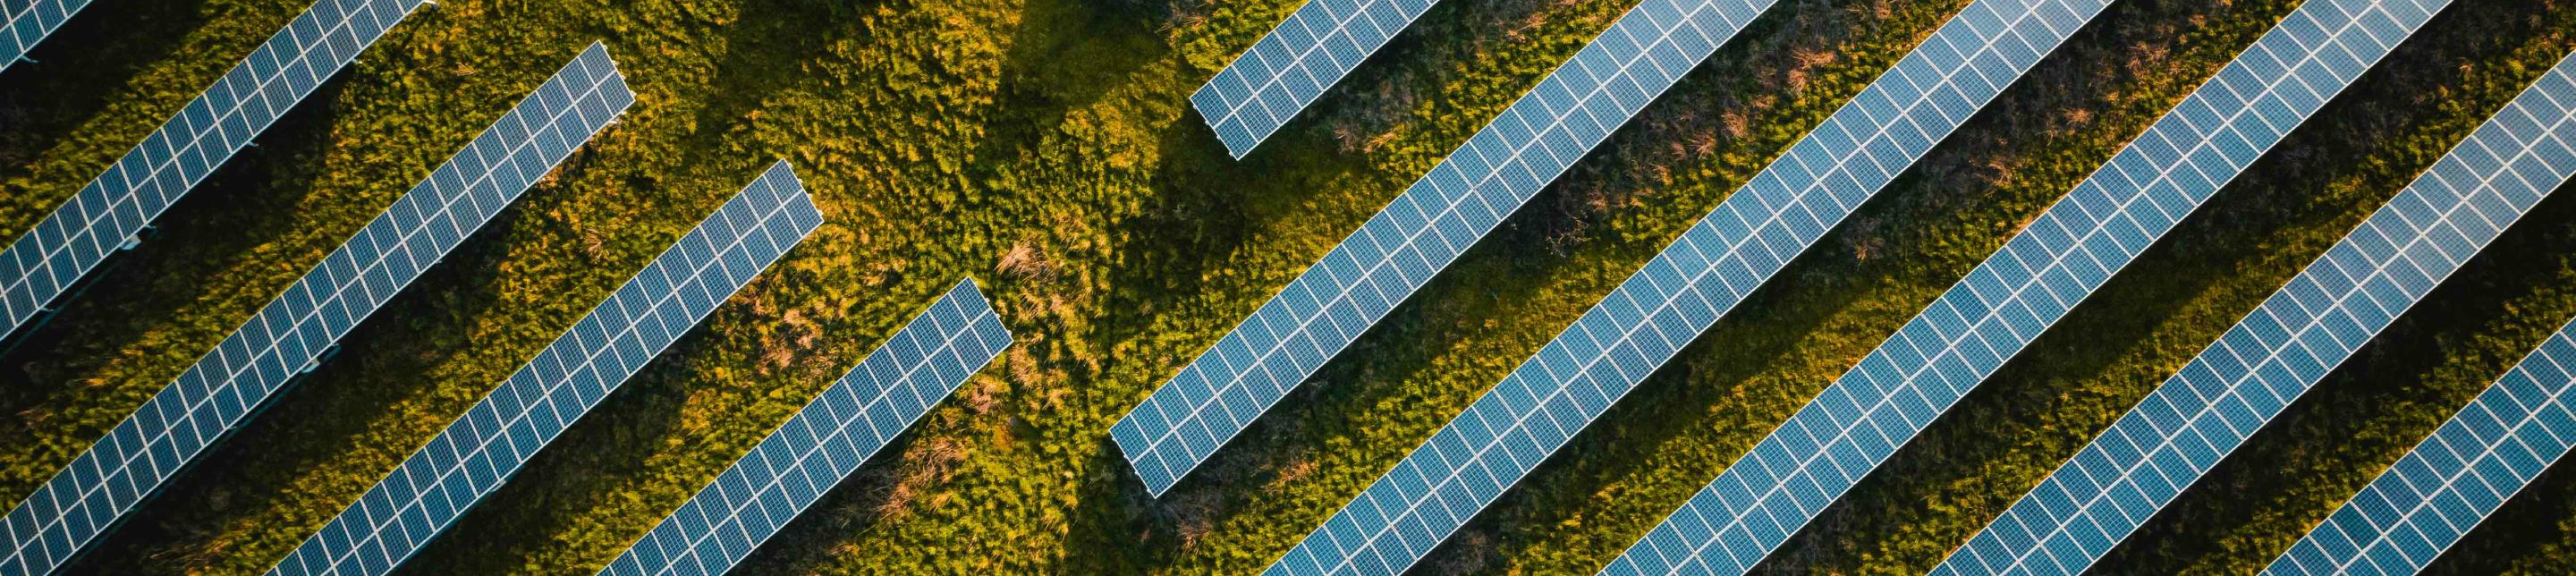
<point x="1044" y="147"/>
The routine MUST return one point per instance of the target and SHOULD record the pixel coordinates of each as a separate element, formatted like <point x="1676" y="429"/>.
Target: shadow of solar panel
<point x="2008" y="300"/>
<point x="1292" y="65"/>
<point x="289" y="336"/>
<point x="2261" y="365"/>
<point x="481" y="449"/>
<point x="1399" y="249"/>
<point x="23" y="24"/>
<point x="824" y="442"/>
<point x="2454" y="479"/>
<point x="1685" y="289"/>
<point x="106" y="215"/>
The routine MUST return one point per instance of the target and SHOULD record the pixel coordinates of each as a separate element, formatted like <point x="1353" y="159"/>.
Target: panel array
<point x="1398" y="250"/>
<point x="2266" y="361"/>
<point x="1646" y="320"/>
<point x="479" y="451"/>
<point x="2470" y="466"/>
<point x="288" y="336"/>
<point x="23" y="24"/>
<point x="107" y="214"/>
<point x="2008" y="300"/>
<point x="824" y="442"/>
<point x="1292" y="65"/>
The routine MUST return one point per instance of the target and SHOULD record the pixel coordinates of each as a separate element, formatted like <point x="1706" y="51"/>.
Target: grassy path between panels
<point x="1044" y="147"/>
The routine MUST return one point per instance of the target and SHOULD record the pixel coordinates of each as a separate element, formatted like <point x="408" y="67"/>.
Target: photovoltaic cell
<point x="479" y="451"/>
<point x="23" y="23"/>
<point x="1289" y="67"/>
<point x="2266" y="361"/>
<point x="824" y="442"/>
<point x="2008" y="300"/>
<point x="1398" y="250"/>
<point x="1684" y="290"/>
<point x="2470" y="466"/>
<point x="106" y="215"/>
<point x="290" y="335"/>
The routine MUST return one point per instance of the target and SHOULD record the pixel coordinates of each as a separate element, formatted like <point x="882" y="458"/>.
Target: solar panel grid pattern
<point x="2007" y="301"/>
<point x="1362" y="279"/>
<point x="23" y="23"/>
<point x="2469" y="467"/>
<point x="2194" y="419"/>
<point x="112" y="209"/>
<point x="825" y="441"/>
<point x="1646" y="320"/>
<point x="1292" y="65"/>
<point x="481" y="449"/>
<point x="293" y="331"/>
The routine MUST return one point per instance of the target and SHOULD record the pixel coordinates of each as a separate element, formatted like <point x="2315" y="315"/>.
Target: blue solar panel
<point x="105" y="216"/>
<point x="23" y="23"/>
<point x="1399" y="249"/>
<point x="2266" y="361"/>
<point x="2471" y="465"/>
<point x="1284" y="71"/>
<point x="1684" y="290"/>
<point x="2007" y="301"/>
<point x="479" y="451"/>
<point x="290" y="335"/>
<point x="825" y="441"/>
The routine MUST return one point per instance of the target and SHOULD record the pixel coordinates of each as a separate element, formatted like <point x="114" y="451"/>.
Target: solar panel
<point x="2266" y="361"/>
<point x="1398" y="250"/>
<point x="2470" y="466"/>
<point x="1289" y="67"/>
<point x="2008" y="300"/>
<point x="824" y="442"/>
<point x="290" y="335"/>
<point x="106" y="215"/>
<point x="1644" y="322"/>
<point x="23" y="24"/>
<point x="481" y="449"/>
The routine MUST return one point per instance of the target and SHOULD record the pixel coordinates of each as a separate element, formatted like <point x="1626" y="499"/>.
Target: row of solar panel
<point x="23" y="24"/>
<point x="107" y="214"/>
<point x="2449" y="483"/>
<point x="292" y="332"/>
<point x="2287" y="344"/>
<point x="824" y="442"/>
<point x="1439" y="216"/>
<point x="1680" y="293"/>
<point x="1289" y="67"/>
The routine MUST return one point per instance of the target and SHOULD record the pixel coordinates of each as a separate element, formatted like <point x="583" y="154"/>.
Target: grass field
<point x="1045" y="148"/>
